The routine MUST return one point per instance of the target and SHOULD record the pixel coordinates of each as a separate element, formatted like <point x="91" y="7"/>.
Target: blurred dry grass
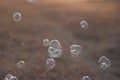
<point x="59" y="20"/>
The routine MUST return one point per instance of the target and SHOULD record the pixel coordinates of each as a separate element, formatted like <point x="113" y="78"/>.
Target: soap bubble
<point x="46" y="42"/>
<point x="17" y="16"/>
<point x="50" y="63"/>
<point x="21" y="64"/>
<point x="104" y="62"/>
<point x="55" y="49"/>
<point x="84" y="24"/>
<point x="8" y="76"/>
<point x="86" y="78"/>
<point x="32" y="1"/>
<point x="75" y="50"/>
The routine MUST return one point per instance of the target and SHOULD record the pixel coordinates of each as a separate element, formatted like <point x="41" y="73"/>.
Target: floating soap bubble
<point x="84" y="24"/>
<point x="21" y="64"/>
<point x="32" y="1"/>
<point x="17" y="16"/>
<point x="86" y="78"/>
<point x="50" y="63"/>
<point x="55" y="49"/>
<point x="46" y="42"/>
<point x="75" y="50"/>
<point x="8" y="76"/>
<point x="104" y="62"/>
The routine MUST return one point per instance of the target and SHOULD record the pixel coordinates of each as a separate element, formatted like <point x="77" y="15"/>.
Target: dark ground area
<point x="60" y="20"/>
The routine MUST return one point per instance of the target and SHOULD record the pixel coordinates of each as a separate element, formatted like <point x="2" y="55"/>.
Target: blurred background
<point x="60" y="19"/>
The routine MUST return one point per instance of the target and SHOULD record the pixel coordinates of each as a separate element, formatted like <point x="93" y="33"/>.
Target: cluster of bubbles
<point x="104" y="62"/>
<point x="21" y="64"/>
<point x="10" y="77"/>
<point x="55" y="50"/>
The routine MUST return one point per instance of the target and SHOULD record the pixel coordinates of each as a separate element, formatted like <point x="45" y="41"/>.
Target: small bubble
<point x="46" y="42"/>
<point x="84" y="24"/>
<point x="75" y="50"/>
<point x="104" y="62"/>
<point x="50" y="63"/>
<point x="21" y="64"/>
<point x="55" y="49"/>
<point x="17" y="16"/>
<point x="86" y="78"/>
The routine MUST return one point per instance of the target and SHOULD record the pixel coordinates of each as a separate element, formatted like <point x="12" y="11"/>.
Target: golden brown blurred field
<point x="60" y="19"/>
